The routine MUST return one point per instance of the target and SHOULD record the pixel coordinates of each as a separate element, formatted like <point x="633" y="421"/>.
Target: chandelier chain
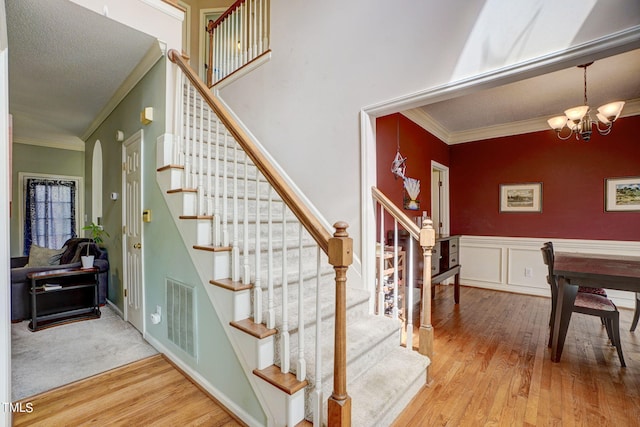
<point x="585" y="86"/>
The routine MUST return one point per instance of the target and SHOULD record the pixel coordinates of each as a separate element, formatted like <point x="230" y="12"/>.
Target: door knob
<point x="137" y="246"/>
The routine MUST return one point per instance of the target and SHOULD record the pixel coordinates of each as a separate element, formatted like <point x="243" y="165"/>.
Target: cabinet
<point x="445" y="263"/>
<point x="59" y="296"/>
<point x="386" y="290"/>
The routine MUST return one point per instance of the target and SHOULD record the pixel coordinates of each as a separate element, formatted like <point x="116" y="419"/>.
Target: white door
<point x="132" y="241"/>
<point x="440" y="197"/>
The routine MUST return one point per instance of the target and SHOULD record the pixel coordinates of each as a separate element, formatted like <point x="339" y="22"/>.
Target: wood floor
<point x="150" y="392"/>
<point x="492" y="367"/>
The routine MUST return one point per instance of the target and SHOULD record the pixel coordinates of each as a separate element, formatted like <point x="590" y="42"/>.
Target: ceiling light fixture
<point x="579" y="121"/>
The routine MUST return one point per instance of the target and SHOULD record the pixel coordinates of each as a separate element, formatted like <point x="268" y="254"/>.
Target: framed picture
<point x="521" y="197"/>
<point x="622" y="194"/>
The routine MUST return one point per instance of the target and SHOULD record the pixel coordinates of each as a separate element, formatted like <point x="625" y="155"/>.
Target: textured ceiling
<point x="65" y="64"/>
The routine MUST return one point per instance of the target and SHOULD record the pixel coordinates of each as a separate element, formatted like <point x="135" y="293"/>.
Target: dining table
<point x="620" y="272"/>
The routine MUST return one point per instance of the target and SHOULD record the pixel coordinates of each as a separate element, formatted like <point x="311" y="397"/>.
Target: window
<point x="50" y="211"/>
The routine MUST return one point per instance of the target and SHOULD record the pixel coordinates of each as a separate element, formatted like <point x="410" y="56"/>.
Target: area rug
<point x="52" y="357"/>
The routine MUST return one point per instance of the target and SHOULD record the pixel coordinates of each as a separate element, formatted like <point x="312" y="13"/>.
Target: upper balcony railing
<point x="237" y="37"/>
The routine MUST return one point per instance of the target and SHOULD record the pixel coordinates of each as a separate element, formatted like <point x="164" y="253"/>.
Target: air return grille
<point x="181" y="328"/>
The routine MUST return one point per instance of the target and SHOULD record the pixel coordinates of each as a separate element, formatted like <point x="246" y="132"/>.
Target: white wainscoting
<point x="514" y="264"/>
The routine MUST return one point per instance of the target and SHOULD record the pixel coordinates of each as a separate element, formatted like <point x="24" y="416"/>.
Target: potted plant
<point x="97" y="236"/>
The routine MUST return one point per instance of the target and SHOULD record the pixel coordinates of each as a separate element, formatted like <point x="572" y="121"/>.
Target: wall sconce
<point x="146" y="115"/>
<point x="119" y="136"/>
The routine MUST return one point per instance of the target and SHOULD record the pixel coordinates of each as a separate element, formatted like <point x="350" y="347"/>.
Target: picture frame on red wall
<point x="525" y="197"/>
<point x="622" y="194"/>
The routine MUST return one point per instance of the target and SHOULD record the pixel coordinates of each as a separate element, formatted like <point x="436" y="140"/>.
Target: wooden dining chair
<point x="636" y="315"/>
<point x="586" y="303"/>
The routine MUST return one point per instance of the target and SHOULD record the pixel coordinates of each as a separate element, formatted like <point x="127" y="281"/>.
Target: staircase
<point x="270" y="280"/>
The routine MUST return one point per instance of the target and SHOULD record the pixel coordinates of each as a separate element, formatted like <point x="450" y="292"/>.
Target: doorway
<point x="440" y="198"/>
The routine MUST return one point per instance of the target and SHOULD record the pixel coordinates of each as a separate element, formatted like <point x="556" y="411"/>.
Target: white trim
<point x="166" y="8"/>
<point x="22" y="176"/>
<point x="609" y="45"/>
<point x="96" y="183"/>
<point x="445" y="217"/>
<point x="203" y="382"/>
<point x="150" y="58"/>
<point x="5" y="285"/>
<point x="201" y="31"/>
<point x="61" y="145"/>
<point x="425" y="121"/>
<point x="596" y="49"/>
<point x="186" y="24"/>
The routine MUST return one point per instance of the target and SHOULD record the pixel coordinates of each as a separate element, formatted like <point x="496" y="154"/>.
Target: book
<point x="51" y="286"/>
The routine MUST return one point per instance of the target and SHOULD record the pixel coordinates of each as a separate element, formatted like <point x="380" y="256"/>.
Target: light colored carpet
<point x="62" y="354"/>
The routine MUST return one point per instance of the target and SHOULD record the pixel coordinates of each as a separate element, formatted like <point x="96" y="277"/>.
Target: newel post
<point x="209" y="30"/>
<point x="427" y="241"/>
<point x="341" y="257"/>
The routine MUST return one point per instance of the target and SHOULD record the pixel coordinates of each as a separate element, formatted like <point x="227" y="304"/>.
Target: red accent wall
<point x="573" y="175"/>
<point x="419" y="147"/>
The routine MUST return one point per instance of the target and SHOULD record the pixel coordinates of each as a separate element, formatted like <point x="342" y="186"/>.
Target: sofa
<point x="66" y="257"/>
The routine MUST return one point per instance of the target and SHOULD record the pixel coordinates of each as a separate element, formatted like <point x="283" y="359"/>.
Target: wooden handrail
<point x="284" y="190"/>
<point x="396" y="213"/>
<point x="228" y="12"/>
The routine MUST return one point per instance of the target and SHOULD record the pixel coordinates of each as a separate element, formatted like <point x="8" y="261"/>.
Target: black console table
<point x="64" y="295"/>
<point x="445" y="263"/>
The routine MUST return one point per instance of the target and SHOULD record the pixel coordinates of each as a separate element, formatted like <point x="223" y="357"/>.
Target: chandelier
<point x="579" y="121"/>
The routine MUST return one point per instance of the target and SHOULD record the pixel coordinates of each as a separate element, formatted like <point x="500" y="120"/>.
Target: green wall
<point x="164" y="252"/>
<point x="41" y="160"/>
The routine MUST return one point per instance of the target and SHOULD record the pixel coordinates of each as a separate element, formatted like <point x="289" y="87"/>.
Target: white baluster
<point x="244" y="19"/>
<point x="225" y="189"/>
<point x="259" y="29"/>
<point x="395" y="269"/>
<point x="271" y="314"/>
<point x="381" y="266"/>
<point x="409" y="297"/>
<point x="246" y="273"/>
<point x="216" y="183"/>
<point x="254" y="32"/>
<point x="217" y="54"/>
<point x="235" y="250"/>
<point x="284" y="333"/>
<point x="187" y="141"/>
<point x="318" y="399"/>
<point x="201" y="199"/>
<point x="257" y="297"/>
<point x="177" y="129"/>
<point x="301" y="367"/>
<point x="265" y="28"/>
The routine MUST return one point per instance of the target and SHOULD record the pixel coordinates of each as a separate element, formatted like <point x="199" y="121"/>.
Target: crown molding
<point x="74" y="145"/>
<point x="155" y="52"/>
<point x="428" y="123"/>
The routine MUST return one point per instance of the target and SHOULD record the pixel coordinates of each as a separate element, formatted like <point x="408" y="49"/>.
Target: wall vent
<point x="181" y="327"/>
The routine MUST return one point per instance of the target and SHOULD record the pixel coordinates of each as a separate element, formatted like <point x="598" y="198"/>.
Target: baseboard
<point x="202" y="382"/>
<point x="115" y="308"/>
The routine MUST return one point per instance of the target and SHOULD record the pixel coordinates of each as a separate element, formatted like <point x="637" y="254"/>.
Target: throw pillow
<point x="41" y="257"/>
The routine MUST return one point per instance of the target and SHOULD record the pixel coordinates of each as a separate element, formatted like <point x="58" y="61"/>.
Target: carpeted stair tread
<point x="381" y="393"/>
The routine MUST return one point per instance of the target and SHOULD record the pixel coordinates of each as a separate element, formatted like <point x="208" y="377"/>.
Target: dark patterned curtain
<point x="50" y="217"/>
